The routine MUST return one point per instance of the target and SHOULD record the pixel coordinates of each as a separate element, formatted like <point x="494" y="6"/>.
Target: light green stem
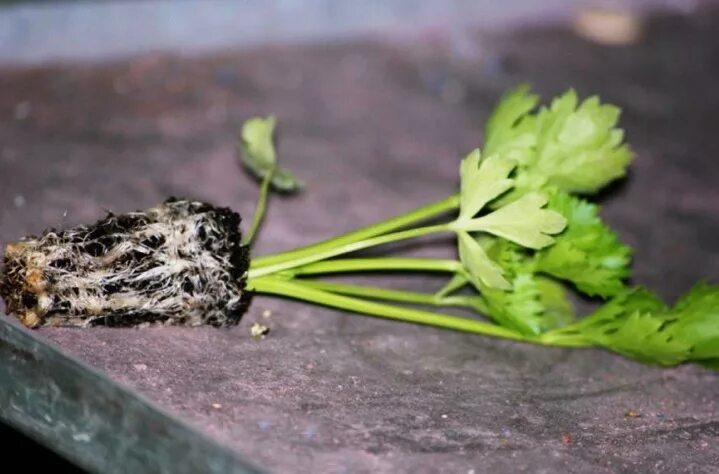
<point x="333" y="251"/>
<point x="378" y="264"/>
<point x="473" y="302"/>
<point x="297" y="290"/>
<point x="260" y="208"/>
<point x="390" y="225"/>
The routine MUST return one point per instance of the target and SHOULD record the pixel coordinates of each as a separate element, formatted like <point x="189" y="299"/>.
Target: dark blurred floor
<point x="375" y="129"/>
<point x="22" y="454"/>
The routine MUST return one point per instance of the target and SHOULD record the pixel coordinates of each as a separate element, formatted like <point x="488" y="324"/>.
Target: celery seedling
<point x="526" y="234"/>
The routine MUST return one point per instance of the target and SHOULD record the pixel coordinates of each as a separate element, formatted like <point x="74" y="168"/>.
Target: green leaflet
<point x="520" y="308"/>
<point x="642" y="337"/>
<point x="534" y="304"/>
<point x="558" y="310"/>
<point x="638" y="325"/>
<point x="523" y="221"/>
<point x="588" y="253"/>
<point x="258" y="154"/>
<point x="482" y="269"/>
<point x="482" y="180"/>
<point x="629" y="301"/>
<point x="510" y="130"/>
<point x="627" y="324"/>
<point x="528" y="302"/>
<point x="578" y="148"/>
<point x="697" y="321"/>
<point x="575" y="147"/>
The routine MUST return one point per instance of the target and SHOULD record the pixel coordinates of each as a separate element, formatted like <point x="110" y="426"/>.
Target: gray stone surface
<point x="91" y="420"/>
<point x="375" y="129"/>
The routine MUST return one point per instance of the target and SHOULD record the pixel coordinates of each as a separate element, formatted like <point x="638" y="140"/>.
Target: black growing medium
<point x="179" y="263"/>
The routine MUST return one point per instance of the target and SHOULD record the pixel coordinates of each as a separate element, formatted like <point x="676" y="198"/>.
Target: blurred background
<point x="38" y="31"/>
<point x="117" y="104"/>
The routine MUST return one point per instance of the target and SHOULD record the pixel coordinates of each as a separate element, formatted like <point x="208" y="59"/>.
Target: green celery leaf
<point x="588" y="253"/>
<point x="643" y="336"/>
<point x="482" y="180"/>
<point x="521" y="306"/>
<point x="632" y="324"/>
<point x="480" y="267"/>
<point x="696" y="321"/>
<point x="259" y="157"/>
<point x="571" y="146"/>
<point x="522" y="300"/>
<point x="510" y="130"/>
<point x="258" y="142"/>
<point x="285" y="181"/>
<point x="578" y="147"/>
<point x="637" y="324"/>
<point x="611" y="313"/>
<point x="523" y="221"/>
<point x="558" y="310"/>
